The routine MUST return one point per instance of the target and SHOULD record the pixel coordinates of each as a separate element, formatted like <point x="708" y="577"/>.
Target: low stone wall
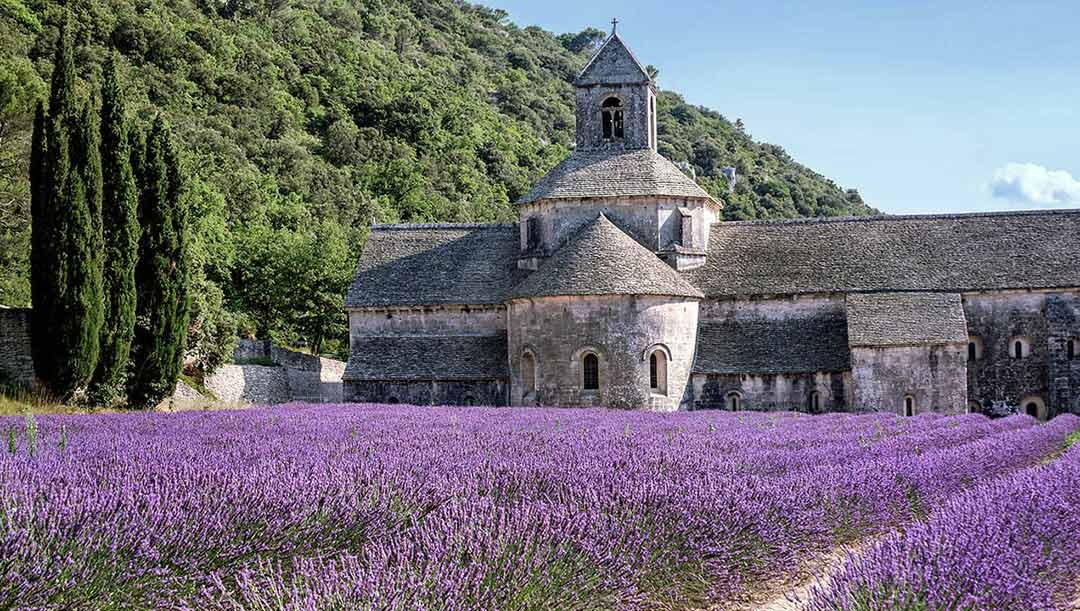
<point x="294" y="376"/>
<point x="250" y="384"/>
<point x="16" y="360"/>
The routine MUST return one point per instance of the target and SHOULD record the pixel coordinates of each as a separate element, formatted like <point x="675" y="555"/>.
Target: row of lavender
<point x="392" y="507"/>
<point x="1010" y="544"/>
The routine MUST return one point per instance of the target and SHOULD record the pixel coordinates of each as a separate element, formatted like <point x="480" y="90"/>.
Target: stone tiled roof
<point x="905" y="319"/>
<point x="602" y="260"/>
<point x="943" y="253"/>
<point x="428" y="358"/>
<point x="761" y="346"/>
<point x="407" y="265"/>
<point x="615" y="173"/>
<point x="613" y="63"/>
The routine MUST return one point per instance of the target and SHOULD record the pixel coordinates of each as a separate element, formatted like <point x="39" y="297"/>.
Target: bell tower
<point x="616" y="100"/>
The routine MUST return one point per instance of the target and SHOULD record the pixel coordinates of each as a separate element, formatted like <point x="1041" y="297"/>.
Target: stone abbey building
<point x="620" y="287"/>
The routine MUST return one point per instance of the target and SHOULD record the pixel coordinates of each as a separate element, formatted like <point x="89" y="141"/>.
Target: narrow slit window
<point x="590" y="367"/>
<point x="909" y="406"/>
<point x="652" y="371"/>
<point x="1070" y="350"/>
<point x="1018" y="349"/>
<point x="528" y="373"/>
<point x="971" y="351"/>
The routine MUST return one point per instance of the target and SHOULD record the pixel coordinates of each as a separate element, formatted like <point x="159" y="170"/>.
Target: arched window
<point x="734" y="401"/>
<point x="528" y="373"/>
<point x="1034" y="406"/>
<point x="590" y="372"/>
<point x="658" y="372"/>
<point x="909" y="405"/>
<point x="611" y="117"/>
<point x="814" y="402"/>
<point x="975" y="348"/>
<point x="1018" y="349"/>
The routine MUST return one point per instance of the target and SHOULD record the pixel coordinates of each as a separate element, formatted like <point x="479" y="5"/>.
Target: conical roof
<point x="617" y="173"/>
<point x="613" y="63"/>
<point x="602" y="260"/>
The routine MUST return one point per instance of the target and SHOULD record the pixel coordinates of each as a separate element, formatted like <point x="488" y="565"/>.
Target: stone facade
<point x="657" y="223"/>
<point x="619" y="287"/>
<point x="1044" y="323"/>
<point x="432" y="392"/>
<point x="934" y="377"/>
<point x="556" y="333"/>
<point x="16" y="360"/>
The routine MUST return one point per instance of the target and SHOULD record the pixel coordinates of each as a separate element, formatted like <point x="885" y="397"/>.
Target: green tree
<point x="66" y="240"/>
<point x="162" y="274"/>
<point x="120" y="203"/>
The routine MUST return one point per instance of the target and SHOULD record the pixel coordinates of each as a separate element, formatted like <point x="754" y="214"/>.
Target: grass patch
<point x="19" y="401"/>
<point x="1072" y="439"/>
<point x="198" y="385"/>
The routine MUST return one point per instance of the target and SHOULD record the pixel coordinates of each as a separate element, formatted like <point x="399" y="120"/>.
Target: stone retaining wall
<point x="295" y="376"/>
<point x="16" y="360"/>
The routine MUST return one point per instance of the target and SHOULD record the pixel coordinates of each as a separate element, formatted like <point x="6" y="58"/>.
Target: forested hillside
<point x="304" y="121"/>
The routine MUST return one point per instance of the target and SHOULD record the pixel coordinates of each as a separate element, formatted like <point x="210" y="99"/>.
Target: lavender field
<point x="396" y="507"/>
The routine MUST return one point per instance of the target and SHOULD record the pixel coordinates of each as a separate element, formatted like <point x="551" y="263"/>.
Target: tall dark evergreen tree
<point x="120" y="203"/>
<point x="66" y="244"/>
<point x="81" y="305"/>
<point x="161" y="275"/>
<point x="44" y="262"/>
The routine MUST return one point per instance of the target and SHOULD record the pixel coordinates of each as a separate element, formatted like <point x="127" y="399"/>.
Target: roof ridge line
<point x="408" y="226"/>
<point x="901" y="217"/>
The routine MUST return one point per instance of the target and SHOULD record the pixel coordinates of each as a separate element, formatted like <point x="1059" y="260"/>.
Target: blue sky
<point x="922" y="106"/>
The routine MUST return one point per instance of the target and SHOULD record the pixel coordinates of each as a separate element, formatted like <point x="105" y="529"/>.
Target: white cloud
<point x="1033" y="184"/>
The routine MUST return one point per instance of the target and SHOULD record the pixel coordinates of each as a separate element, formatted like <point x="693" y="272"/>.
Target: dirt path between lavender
<point x="791" y="592"/>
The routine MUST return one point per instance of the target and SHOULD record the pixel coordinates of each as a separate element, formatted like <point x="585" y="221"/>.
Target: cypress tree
<point x="80" y="306"/>
<point x="57" y="337"/>
<point x="43" y="255"/>
<point x="120" y="202"/>
<point x="161" y="275"/>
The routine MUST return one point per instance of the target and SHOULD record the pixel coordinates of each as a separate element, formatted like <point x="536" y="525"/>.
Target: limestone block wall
<point x="620" y="330"/>
<point x="478" y="392"/>
<point x="934" y="375"/>
<point x="653" y="221"/>
<point x="638" y="102"/>
<point x="16" y="360"/>
<point x="294" y="377"/>
<point x="774" y="392"/>
<point x="256" y="384"/>
<point x="1044" y="322"/>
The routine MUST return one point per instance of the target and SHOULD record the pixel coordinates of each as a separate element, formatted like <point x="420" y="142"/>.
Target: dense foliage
<point x="67" y="238"/>
<point x="120" y="230"/>
<point x="402" y="507"/>
<point x="304" y="122"/>
<point x="162" y="272"/>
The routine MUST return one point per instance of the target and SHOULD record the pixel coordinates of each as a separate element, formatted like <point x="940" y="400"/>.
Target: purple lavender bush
<point x="1012" y="543"/>
<point x="399" y="507"/>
